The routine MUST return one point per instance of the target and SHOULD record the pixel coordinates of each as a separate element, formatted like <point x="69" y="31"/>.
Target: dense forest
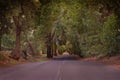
<point x="81" y="27"/>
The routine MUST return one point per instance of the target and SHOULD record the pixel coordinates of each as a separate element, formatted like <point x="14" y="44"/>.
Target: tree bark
<point x="55" y="49"/>
<point x="57" y="52"/>
<point x="29" y="45"/>
<point x="31" y="48"/>
<point x="16" y="54"/>
<point x="49" y="55"/>
<point x="49" y="46"/>
<point x="0" y="42"/>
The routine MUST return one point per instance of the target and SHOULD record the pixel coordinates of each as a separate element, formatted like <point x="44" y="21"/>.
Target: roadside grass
<point x="5" y="61"/>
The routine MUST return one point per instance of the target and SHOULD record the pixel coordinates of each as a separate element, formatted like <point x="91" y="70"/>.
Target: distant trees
<point x="46" y="21"/>
<point x="82" y="27"/>
<point x="83" y="23"/>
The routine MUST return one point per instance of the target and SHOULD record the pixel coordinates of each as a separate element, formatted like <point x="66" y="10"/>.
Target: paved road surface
<point x="62" y="68"/>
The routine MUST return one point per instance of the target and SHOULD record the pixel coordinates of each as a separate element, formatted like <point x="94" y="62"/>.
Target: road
<point x="62" y="68"/>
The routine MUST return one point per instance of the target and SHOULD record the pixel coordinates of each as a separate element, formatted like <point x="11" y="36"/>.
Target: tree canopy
<point x="82" y="27"/>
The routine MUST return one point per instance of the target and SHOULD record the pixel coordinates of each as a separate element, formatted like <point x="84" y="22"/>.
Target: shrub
<point x="108" y="38"/>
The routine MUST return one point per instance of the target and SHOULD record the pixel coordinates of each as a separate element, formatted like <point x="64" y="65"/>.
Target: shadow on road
<point x="65" y="57"/>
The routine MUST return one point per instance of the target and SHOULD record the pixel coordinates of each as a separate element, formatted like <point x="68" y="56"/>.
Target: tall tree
<point x="23" y="19"/>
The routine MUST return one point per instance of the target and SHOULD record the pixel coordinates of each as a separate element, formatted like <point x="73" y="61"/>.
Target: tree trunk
<point x="49" y="54"/>
<point x="55" y="50"/>
<point x="49" y="46"/>
<point x="16" y="54"/>
<point x="31" y="48"/>
<point x="0" y="42"/>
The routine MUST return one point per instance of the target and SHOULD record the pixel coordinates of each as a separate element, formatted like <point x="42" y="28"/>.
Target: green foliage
<point x="82" y="27"/>
<point x="110" y="30"/>
<point x="8" y="41"/>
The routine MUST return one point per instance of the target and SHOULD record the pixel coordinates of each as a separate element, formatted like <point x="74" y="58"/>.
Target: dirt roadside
<point x="111" y="61"/>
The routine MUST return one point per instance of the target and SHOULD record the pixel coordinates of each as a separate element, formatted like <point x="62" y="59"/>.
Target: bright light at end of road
<point x="66" y="53"/>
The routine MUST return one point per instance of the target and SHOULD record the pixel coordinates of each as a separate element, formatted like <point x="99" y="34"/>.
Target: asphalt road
<point x="62" y="68"/>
